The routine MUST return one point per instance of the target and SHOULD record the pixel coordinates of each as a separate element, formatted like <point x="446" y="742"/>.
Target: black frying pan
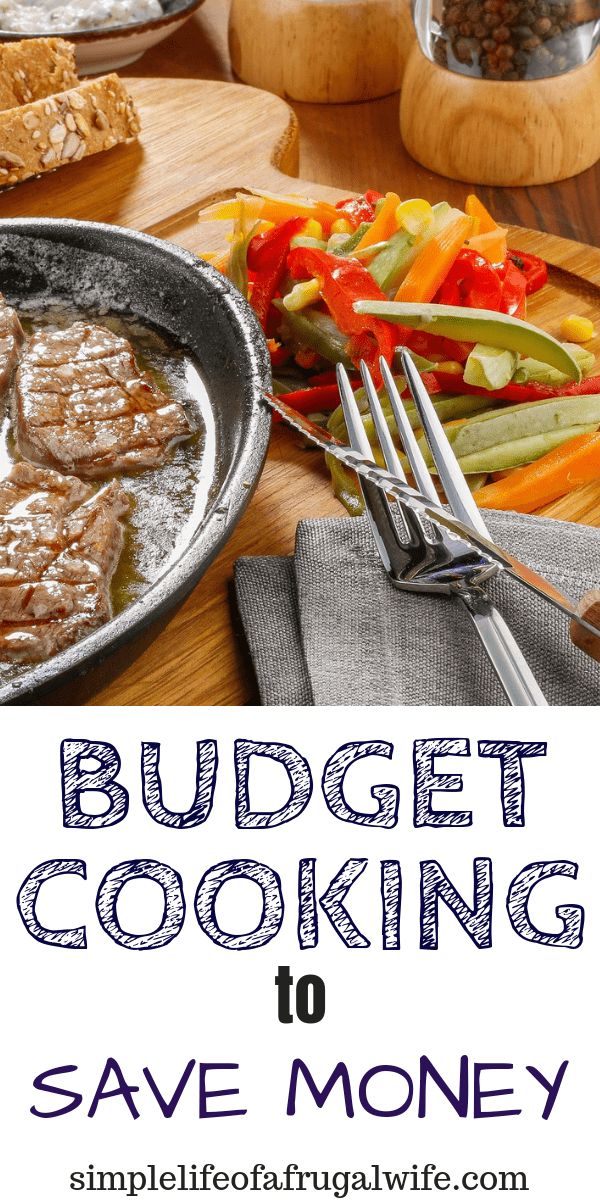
<point x="93" y="266"/>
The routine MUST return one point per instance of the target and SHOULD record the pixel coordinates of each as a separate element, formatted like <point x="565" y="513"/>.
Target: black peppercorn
<point x="511" y="39"/>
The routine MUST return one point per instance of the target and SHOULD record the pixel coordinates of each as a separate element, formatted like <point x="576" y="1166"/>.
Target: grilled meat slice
<point x="11" y="338"/>
<point x="84" y="407"/>
<point x="60" y="543"/>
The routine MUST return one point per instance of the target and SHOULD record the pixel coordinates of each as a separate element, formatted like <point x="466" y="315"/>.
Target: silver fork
<point x="422" y="560"/>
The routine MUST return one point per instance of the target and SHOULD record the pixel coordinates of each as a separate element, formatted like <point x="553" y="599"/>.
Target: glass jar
<point x="508" y="39"/>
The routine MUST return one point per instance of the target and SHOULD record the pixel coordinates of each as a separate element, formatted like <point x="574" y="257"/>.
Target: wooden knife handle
<point x="589" y="609"/>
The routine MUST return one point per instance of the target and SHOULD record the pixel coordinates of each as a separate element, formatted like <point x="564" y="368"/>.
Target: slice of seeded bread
<point x="63" y="128"/>
<point x="34" y="68"/>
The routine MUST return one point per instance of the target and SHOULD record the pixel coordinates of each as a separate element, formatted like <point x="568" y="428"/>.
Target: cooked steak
<point x="11" y="337"/>
<point x="84" y="407"/>
<point x="60" y="543"/>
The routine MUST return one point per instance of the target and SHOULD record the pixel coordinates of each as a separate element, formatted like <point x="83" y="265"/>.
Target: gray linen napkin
<point x="327" y="627"/>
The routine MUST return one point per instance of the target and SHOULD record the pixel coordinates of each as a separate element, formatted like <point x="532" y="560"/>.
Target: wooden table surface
<point x="199" y="658"/>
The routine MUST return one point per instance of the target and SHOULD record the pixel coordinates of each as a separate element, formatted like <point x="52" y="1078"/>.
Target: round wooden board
<point x="242" y="138"/>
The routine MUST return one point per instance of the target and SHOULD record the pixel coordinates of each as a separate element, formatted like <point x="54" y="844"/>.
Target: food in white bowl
<point x="47" y="16"/>
<point x="129" y="27"/>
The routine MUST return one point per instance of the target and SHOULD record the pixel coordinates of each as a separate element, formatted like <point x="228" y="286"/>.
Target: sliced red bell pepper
<point x="343" y="282"/>
<point x="471" y="282"/>
<point x="431" y="345"/>
<point x="326" y="397"/>
<point x="317" y="399"/>
<point x="267" y="254"/>
<point x="357" y="209"/>
<point x="264" y="249"/>
<point x="533" y="268"/>
<point x="323" y="379"/>
<point x="514" y="289"/>
<point x="518" y="393"/>
<point x="314" y="399"/>
<point x="264" y="290"/>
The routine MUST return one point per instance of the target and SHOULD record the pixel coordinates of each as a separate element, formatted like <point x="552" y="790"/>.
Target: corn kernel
<point x="576" y="329"/>
<point x="341" y="226"/>
<point x="303" y="294"/>
<point x="450" y="368"/>
<point x="415" y="216"/>
<point x="312" y="229"/>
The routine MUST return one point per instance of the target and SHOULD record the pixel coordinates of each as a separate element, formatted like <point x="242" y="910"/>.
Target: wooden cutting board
<point x="204" y="140"/>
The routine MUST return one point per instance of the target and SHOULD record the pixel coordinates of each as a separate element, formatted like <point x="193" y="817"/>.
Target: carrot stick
<point x="567" y="467"/>
<point x="384" y="225"/>
<point x="433" y="263"/>
<point x="474" y="208"/>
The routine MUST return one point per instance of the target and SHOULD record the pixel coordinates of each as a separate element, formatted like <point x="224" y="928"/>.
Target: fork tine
<point x="393" y="551"/>
<point x="390" y="454"/>
<point x="413" y="526"/>
<point x="453" y="481"/>
<point x="412" y="449"/>
<point x="356" y="430"/>
<point x="377" y="507"/>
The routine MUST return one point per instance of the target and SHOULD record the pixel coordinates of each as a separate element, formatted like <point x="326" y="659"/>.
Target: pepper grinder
<point x="504" y="92"/>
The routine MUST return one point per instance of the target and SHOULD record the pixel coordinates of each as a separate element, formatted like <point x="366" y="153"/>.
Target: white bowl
<point x="109" y="49"/>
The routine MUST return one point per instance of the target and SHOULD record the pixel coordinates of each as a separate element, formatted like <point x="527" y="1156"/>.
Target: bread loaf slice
<point x="63" y="128"/>
<point x="34" y="68"/>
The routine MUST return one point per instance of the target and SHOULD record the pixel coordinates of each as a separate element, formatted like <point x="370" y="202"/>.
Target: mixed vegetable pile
<point x="358" y="280"/>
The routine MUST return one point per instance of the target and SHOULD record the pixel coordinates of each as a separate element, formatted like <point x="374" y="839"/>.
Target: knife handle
<point x="589" y="609"/>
